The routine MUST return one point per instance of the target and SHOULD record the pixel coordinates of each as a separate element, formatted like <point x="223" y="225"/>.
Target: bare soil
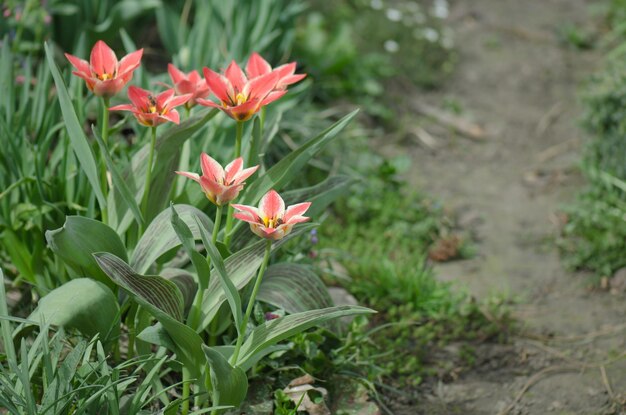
<point x="520" y="82"/>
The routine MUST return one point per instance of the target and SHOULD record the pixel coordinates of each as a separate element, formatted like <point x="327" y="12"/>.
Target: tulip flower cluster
<point x="240" y="94"/>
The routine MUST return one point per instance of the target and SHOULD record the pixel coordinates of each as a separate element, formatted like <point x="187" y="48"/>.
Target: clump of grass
<point x="593" y="237"/>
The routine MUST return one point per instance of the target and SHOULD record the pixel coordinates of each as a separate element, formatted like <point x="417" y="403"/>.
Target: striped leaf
<point x="151" y="289"/>
<point x="179" y="338"/>
<point x="160" y="237"/>
<point x="294" y="288"/>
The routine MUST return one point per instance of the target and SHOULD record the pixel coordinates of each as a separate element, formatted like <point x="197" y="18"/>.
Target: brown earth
<point x="520" y="82"/>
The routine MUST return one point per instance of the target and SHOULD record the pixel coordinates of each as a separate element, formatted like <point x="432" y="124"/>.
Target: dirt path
<point x="521" y="83"/>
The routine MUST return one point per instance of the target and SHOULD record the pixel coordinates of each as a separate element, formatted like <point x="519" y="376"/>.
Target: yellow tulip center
<point x="105" y="77"/>
<point x="272" y="222"/>
<point x="241" y="98"/>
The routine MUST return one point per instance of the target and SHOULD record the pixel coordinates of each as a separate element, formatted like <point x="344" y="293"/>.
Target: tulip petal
<point x="81" y="65"/>
<point x="176" y="75"/>
<point x="245" y="216"/>
<point x="236" y="76"/>
<point x="244" y="111"/>
<point x="259" y="87"/>
<point x="272" y="205"/>
<point x="211" y="168"/>
<point x="232" y="169"/>
<point x="285" y="70"/>
<point x="123" y="107"/>
<point x="164" y="98"/>
<point x="273" y="96"/>
<point x="139" y="97"/>
<point x="291" y="79"/>
<point x="177" y="101"/>
<point x="172" y="115"/>
<point x="130" y="62"/>
<point x="103" y="59"/>
<point x="257" y="66"/>
<point x="244" y="174"/>
<point x="208" y="103"/>
<point x="193" y="176"/>
<point x="295" y="211"/>
<point x="249" y="210"/>
<point x="219" y="85"/>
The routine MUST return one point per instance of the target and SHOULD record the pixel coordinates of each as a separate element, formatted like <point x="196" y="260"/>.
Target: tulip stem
<point x="105" y="139"/>
<point x="146" y="191"/>
<point x="185" y="397"/>
<point x="255" y="290"/>
<point x="231" y="210"/>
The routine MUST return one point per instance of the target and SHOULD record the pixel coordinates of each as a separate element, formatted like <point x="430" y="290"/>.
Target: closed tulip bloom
<point x="221" y="185"/>
<point x="188" y="83"/>
<point x="238" y="96"/>
<point x="271" y="220"/>
<point x="152" y="110"/>
<point x="104" y="75"/>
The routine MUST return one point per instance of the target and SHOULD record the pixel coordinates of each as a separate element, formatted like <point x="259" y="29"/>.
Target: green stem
<point x="255" y="290"/>
<point x="104" y="182"/>
<point x="185" y="397"/>
<point x="231" y="210"/>
<point x="130" y="323"/>
<point x="146" y="191"/>
<point x="215" y="323"/>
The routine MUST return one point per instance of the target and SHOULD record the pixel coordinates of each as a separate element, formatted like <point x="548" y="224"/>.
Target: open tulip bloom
<point x="271" y="220"/>
<point x="221" y="185"/>
<point x="190" y="83"/>
<point x="151" y="110"/>
<point x="239" y="96"/>
<point x="104" y="75"/>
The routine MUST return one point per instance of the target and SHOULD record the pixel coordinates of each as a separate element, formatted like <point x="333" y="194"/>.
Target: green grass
<point x="381" y="235"/>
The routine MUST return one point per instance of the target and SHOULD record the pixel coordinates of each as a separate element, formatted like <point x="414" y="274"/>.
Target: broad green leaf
<point x="80" y="145"/>
<point x="78" y="239"/>
<point x="230" y="384"/>
<point x="83" y="304"/>
<point x="118" y="182"/>
<point x="185" y="342"/>
<point x="271" y="332"/>
<point x="153" y="289"/>
<point x="240" y="267"/>
<point x="160" y="237"/>
<point x="294" y="288"/>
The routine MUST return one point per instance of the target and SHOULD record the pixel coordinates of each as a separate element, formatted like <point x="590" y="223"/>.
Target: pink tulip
<point x="221" y="185"/>
<point x="239" y="96"/>
<point x="104" y="75"/>
<point x="153" y="110"/>
<point x="190" y="83"/>
<point x="271" y="220"/>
